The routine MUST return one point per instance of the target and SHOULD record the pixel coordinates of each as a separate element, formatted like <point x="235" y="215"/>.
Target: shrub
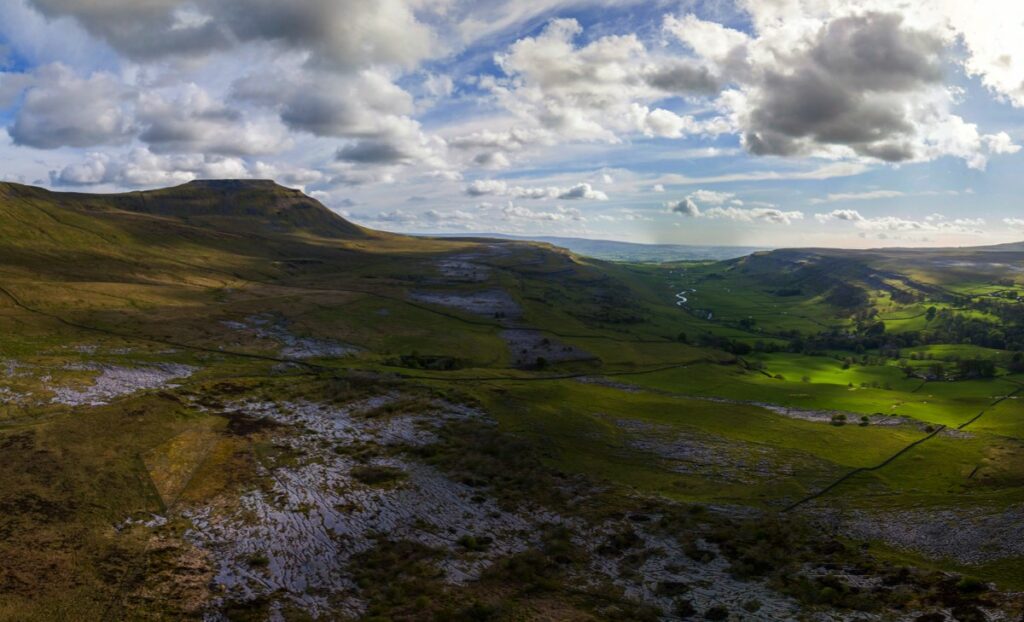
<point x="971" y="585"/>
<point x="969" y="613"/>
<point x="684" y="609"/>
<point x="672" y="588"/>
<point x="752" y="606"/>
<point x="472" y="543"/>
<point x="694" y="552"/>
<point x="479" y="612"/>
<point x="258" y="560"/>
<point x="619" y="542"/>
<point x="372" y="475"/>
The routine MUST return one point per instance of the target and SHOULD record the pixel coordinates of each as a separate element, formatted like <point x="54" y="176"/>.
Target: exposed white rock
<point x="315" y="515"/>
<point x="463" y="268"/>
<point x="490" y="302"/>
<point x="526" y="346"/>
<point x="114" y="381"/>
<point x="711" y="456"/>
<point x="12" y="368"/>
<point x="968" y="536"/>
<point x="664" y="563"/>
<point x="290" y="346"/>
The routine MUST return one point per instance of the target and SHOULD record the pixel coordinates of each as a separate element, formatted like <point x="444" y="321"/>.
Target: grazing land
<point x="223" y="402"/>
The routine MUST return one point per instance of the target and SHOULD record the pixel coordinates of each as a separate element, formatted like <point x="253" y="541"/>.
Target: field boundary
<point x="570" y="376"/>
<point x="860" y="470"/>
<point x="899" y="453"/>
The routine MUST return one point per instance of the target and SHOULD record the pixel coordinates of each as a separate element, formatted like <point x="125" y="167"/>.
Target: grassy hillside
<point x="222" y="399"/>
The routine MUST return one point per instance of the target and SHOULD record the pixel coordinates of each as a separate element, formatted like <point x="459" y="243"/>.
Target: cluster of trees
<point x="868" y="333"/>
<point x="847" y="296"/>
<point x="868" y="336"/>
<point x="976" y="368"/>
<point x="1016" y="365"/>
<point x="420" y="361"/>
<point x="951" y="327"/>
<point x="707" y="340"/>
<point x="964" y="369"/>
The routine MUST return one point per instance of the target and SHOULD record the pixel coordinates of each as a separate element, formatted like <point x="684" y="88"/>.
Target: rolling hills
<point x="223" y="401"/>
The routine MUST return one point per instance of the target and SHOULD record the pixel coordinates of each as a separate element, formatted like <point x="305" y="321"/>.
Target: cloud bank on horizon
<point x="762" y="122"/>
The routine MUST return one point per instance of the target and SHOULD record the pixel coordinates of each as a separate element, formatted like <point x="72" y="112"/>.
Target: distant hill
<point x="253" y="227"/>
<point x="846" y="277"/>
<point x="238" y="206"/>
<point x="611" y="250"/>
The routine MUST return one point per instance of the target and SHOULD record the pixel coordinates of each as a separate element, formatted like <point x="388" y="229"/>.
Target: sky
<point x="853" y="123"/>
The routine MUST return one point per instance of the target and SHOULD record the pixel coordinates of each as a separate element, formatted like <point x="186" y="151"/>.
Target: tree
<point x="739" y="348"/>
<point x="1017" y="363"/>
<point x="977" y="368"/>
<point x="929" y="315"/>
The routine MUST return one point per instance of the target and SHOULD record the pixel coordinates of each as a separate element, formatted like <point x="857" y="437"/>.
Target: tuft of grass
<point x="378" y="475"/>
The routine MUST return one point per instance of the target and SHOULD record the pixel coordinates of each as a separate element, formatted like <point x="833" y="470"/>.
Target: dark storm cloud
<point x="683" y="207"/>
<point x="875" y="52"/>
<point x="373" y="152"/>
<point x="141" y="29"/>
<point x="61" y="110"/>
<point x="847" y="90"/>
<point x="339" y="34"/>
<point x="198" y="124"/>
<point x="322" y="115"/>
<point x="325" y="104"/>
<point x="683" y="78"/>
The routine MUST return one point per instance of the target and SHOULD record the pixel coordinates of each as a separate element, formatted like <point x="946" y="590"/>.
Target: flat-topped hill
<point x="239" y="206"/>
